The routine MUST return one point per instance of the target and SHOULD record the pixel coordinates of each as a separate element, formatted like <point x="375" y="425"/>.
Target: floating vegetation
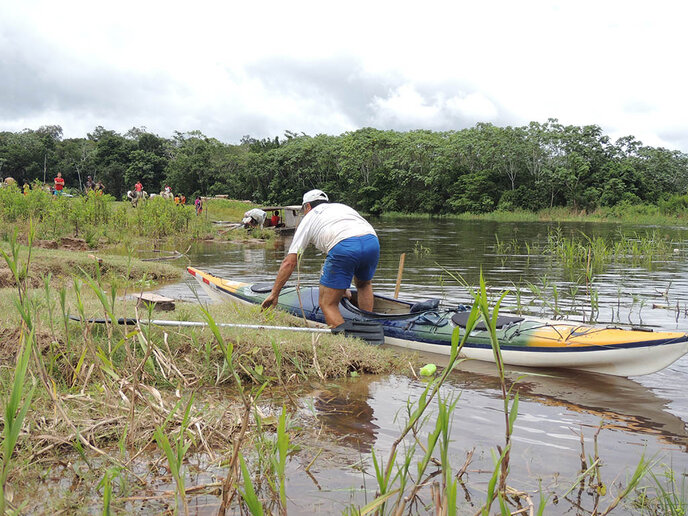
<point x="507" y="248"/>
<point x="594" y="253"/>
<point x="419" y="249"/>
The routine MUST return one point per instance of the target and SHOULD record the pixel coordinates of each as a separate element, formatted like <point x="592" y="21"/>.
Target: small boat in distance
<point x="289" y="218"/>
<point x="524" y="341"/>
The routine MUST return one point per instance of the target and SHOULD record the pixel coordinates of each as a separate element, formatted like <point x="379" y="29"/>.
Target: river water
<point x="640" y="415"/>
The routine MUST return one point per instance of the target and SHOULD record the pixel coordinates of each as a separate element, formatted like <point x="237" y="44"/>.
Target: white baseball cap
<point x="314" y="195"/>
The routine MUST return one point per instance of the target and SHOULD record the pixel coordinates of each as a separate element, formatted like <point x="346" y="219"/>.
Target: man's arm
<point x="285" y="270"/>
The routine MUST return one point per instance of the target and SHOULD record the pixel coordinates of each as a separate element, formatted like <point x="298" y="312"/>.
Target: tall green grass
<point x="16" y="407"/>
<point x="666" y="213"/>
<point x="96" y="217"/>
<point x="226" y="209"/>
<point x="594" y="253"/>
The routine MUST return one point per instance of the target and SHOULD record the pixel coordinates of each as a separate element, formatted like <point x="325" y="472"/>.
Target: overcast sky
<point x="260" y="68"/>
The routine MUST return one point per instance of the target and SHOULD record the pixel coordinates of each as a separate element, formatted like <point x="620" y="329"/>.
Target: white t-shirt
<point x="328" y="224"/>
<point x="256" y="214"/>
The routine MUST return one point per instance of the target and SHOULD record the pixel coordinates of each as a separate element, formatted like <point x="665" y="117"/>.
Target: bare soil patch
<point x="68" y="243"/>
<point x="35" y="277"/>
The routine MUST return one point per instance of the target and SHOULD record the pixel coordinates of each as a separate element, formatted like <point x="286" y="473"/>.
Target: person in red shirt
<point x="59" y="184"/>
<point x="275" y="220"/>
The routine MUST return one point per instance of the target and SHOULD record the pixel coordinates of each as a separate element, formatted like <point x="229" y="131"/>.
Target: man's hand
<point x="269" y="302"/>
<point x="286" y="268"/>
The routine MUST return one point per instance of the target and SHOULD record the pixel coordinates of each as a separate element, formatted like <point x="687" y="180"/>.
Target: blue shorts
<point x="355" y="256"/>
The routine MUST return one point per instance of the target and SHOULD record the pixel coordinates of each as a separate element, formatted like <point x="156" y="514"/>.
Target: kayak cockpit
<point x="383" y="305"/>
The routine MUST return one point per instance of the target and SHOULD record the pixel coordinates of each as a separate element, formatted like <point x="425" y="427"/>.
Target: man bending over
<point x="352" y="250"/>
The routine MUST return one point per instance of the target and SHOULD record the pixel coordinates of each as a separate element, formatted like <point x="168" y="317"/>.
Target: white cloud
<point x="473" y="106"/>
<point x="259" y="68"/>
<point x="404" y="106"/>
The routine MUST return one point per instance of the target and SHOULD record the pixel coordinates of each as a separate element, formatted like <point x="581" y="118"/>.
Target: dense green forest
<point x="479" y="169"/>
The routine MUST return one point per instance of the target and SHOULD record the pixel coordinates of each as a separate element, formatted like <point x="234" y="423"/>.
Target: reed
<point x="419" y="249"/>
<point x="664" y="495"/>
<point x="16" y="408"/>
<point x="248" y="494"/>
<point x="595" y="253"/>
<point x="508" y="248"/>
<point x="175" y="456"/>
<point x="18" y="268"/>
<point x="105" y="484"/>
<point x="510" y="410"/>
<point x="272" y="453"/>
<point x="397" y="474"/>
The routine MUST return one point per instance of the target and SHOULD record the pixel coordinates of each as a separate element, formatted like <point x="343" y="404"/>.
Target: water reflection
<point x="556" y="414"/>
<point x="344" y="409"/>
<point x="356" y="411"/>
<point x="622" y="403"/>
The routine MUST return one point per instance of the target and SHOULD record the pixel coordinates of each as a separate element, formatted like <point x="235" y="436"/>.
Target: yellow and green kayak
<point x="524" y="341"/>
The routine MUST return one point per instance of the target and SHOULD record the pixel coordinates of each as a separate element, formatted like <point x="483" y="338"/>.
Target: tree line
<point x="478" y="169"/>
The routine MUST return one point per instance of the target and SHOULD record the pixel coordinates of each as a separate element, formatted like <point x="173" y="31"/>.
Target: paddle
<point x="399" y="273"/>
<point x="369" y="331"/>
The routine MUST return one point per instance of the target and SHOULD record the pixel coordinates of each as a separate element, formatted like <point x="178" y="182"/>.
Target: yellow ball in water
<point x="428" y="370"/>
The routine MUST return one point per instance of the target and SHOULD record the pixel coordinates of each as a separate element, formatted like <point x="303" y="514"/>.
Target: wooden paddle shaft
<point x="399" y="274"/>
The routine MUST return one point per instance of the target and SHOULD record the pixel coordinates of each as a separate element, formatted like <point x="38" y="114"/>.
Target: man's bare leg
<point x="329" y="304"/>
<point x="365" y="294"/>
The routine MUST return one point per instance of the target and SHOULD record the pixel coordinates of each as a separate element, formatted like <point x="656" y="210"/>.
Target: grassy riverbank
<point x="97" y="393"/>
<point x="111" y="398"/>
<point x="630" y="214"/>
<point x="98" y="221"/>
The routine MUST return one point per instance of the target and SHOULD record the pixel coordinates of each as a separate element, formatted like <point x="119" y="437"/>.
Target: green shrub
<point x="674" y="205"/>
<point x="13" y="205"/>
<point x="159" y="217"/>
